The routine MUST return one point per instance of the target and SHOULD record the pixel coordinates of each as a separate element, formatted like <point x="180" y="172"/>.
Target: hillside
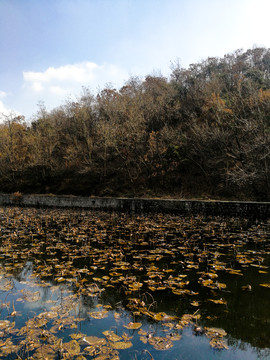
<point x="203" y="132"/>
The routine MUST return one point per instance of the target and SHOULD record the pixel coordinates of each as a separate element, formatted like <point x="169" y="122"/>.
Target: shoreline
<point x="248" y="209"/>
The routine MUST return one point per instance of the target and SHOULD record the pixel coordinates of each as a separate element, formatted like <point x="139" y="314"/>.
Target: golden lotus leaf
<point x="45" y="352"/>
<point x="98" y="314"/>
<point x="72" y="347"/>
<point x="4" y="324"/>
<point x="215" y="332"/>
<point x="144" y="339"/>
<point x="133" y="326"/>
<point x="107" y="253"/>
<point x="219" y="301"/>
<point x="31" y="296"/>
<point x="111" y="335"/>
<point x="218" y="344"/>
<point x="6" y="284"/>
<point x="76" y="336"/>
<point x="94" y="340"/>
<point x="265" y="285"/>
<point x="174" y="337"/>
<point x="120" y="345"/>
<point x="169" y="325"/>
<point x="160" y="343"/>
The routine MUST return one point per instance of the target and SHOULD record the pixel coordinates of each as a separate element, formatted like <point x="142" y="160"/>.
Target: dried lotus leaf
<point x="120" y="345"/>
<point x="215" y="332"/>
<point x="116" y="316"/>
<point x="144" y="339"/>
<point x="160" y="343"/>
<point x="72" y="347"/>
<point x="4" y="324"/>
<point x="76" y="336"/>
<point x="45" y="352"/>
<point x="175" y="337"/>
<point x="31" y="296"/>
<point x="94" y="340"/>
<point x="6" y="284"/>
<point x="133" y="326"/>
<point x="265" y="285"/>
<point x="218" y="344"/>
<point x="98" y="314"/>
<point x="111" y="336"/>
<point x="219" y="301"/>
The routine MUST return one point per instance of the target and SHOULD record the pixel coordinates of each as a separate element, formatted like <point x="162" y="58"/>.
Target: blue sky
<point x="50" y="49"/>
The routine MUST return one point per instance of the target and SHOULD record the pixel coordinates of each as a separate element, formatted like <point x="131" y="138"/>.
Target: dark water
<point x="88" y="285"/>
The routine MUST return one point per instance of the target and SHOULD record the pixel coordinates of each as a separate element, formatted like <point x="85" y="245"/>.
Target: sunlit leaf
<point x="120" y="345"/>
<point x="133" y="326"/>
<point x="98" y="314"/>
<point x="160" y="343"/>
<point x="94" y="340"/>
<point x="72" y="348"/>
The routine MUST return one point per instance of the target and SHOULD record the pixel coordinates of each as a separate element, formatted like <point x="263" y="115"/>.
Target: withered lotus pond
<point x="77" y="284"/>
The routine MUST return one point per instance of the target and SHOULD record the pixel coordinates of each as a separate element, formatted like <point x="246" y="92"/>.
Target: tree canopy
<point x="202" y="132"/>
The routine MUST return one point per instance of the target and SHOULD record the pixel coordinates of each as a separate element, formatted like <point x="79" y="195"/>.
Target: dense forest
<point x="203" y="132"/>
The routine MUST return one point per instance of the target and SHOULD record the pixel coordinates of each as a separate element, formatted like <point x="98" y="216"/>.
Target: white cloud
<point x="5" y="112"/>
<point x="56" y="84"/>
<point x="80" y="72"/>
<point x="37" y="86"/>
<point x="3" y="94"/>
<point x="58" y="90"/>
<point x="4" y="109"/>
<point x="68" y="76"/>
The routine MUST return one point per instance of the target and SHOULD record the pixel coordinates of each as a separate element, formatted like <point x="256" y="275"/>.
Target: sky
<point x="51" y="49"/>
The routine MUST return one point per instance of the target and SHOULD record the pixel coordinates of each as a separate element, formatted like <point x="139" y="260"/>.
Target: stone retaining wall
<point x="182" y="207"/>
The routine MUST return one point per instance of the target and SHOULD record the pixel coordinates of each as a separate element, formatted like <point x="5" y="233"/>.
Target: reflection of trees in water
<point x="235" y="343"/>
<point x="23" y="274"/>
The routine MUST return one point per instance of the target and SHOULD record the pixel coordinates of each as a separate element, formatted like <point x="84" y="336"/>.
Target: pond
<point x="77" y="284"/>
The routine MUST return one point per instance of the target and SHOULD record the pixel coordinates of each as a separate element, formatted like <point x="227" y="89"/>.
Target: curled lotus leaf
<point x="133" y="326"/>
<point x="94" y="340"/>
<point x="235" y="272"/>
<point x="219" y="301"/>
<point x="162" y="316"/>
<point x="265" y="285"/>
<point x="160" y="343"/>
<point x="126" y="337"/>
<point x="112" y="336"/>
<point x="215" y="332"/>
<point x="221" y="285"/>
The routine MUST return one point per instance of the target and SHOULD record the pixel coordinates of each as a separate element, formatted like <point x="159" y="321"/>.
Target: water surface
<point x="94" y="285"/>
